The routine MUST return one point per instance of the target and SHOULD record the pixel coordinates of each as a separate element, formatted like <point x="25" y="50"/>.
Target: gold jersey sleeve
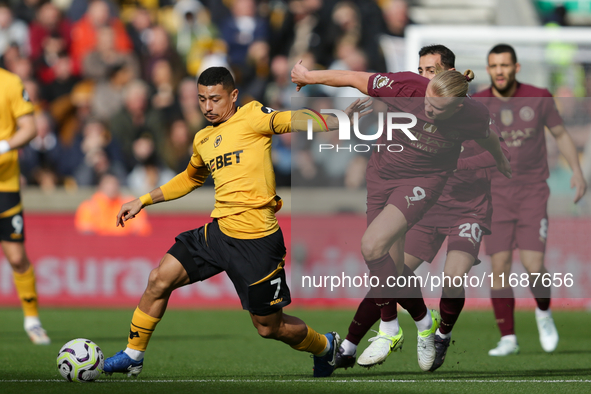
<point x="14" y="103"/>
<point x="281" y="122"/>
<point x="185" y="182"/>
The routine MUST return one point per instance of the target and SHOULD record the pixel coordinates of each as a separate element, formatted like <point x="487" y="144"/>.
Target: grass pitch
<point x="220" y="352"/>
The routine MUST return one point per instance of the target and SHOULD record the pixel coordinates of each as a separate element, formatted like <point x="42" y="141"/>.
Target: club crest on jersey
<point x="430" y="128"/>
<point x="526" y="113"/>
<point x="507" y="117"/>
<point x="218" y="141"/>
<point x="267" y="110"/>
<point x="381" y="80"/>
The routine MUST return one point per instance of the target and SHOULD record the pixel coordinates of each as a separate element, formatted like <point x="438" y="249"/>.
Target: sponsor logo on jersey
<point x="526" y="113"/>
<point x="218" y="141"/>
<point x="507" y="117"/>
<point x="203" y="141"/>
<point x="225" y="160"/>
<point x="26" y="96"/>
<point x="267" y="110"/>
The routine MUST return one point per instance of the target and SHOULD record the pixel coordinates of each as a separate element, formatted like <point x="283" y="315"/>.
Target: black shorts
<point x="255" y="266"/>
<point x="12" y="225"/>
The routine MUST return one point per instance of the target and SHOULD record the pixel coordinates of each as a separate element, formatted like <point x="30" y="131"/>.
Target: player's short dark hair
<point x="504" y="48"/>
<point x="217" y="76"/>
<point x="448" y="58"/>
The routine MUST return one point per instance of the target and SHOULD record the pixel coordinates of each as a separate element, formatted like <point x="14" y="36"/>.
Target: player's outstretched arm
<point x="179" y="186"/>
<point x="301" y="76"/>
<point x="493" y="145"/>
<point x="25" y="132"/>
<point x="566" y="146"/>
<point x="297" y="121"/>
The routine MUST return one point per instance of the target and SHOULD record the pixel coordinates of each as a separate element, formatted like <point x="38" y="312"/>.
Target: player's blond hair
<point x="450" y="83"/>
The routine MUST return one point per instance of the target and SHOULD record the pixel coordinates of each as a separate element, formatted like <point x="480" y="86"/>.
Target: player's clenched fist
<point x="128" y="211"/>
<point x="298" y="75"/>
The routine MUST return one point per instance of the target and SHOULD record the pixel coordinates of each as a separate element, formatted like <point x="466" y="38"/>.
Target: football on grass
<point x="80" y="360"/>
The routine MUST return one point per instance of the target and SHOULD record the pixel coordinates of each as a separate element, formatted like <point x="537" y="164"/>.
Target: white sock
<point x="425" y="323"/>
<point x="326" y="349"/>
<point x="32" y="321"/>
<point x="349" y="348"/>
<point x="136" y="355"/>
<point x="442" y="336"/>
<point x="390" y="327"/>
<point x="541" y="314"/>
<point x="511" y="337"/>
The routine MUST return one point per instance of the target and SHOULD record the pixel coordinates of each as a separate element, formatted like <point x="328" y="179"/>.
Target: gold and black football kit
<point x="244" y="239"/>
<point x="14" y="103"/>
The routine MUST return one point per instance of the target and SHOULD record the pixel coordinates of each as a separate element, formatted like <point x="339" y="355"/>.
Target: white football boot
<point x="547" y="330"/>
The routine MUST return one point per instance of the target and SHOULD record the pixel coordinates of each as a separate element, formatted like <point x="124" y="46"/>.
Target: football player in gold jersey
<point x="17" y="128"/>
<point x="244" y="238"/>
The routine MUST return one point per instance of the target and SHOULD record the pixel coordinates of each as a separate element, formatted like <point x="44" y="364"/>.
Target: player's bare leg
<point x="503" y="301"/>
<point x="533" y="261"/>
<point x="387" y="228"/>
<point x="168" y="276"/>
<point x="412" y="262"/>
<point x="281" y="327"/>
<point x="163" y="280"/>
<point x="294" y="332"/>
<point x="457" y="264"/>
<point x="24" y="280"/>
<point x="382" y="246"/>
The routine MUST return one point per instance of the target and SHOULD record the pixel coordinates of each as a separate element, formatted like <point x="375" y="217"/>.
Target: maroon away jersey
<point x="521" y="120"/>
<point x="439" y="142"/>
<point x="467" y="196"/>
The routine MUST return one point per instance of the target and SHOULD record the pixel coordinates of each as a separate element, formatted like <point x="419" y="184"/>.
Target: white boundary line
<point x="307" y="381"/>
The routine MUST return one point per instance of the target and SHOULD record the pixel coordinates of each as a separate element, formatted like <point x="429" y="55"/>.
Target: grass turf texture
<point x="220" y="351"/>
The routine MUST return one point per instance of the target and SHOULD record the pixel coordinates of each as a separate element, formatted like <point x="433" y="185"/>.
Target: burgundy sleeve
<point x="401" y="84"/>
<point x="484" y="159"/>
<point x="552" y="116"/>
<point x="484" y="123"/>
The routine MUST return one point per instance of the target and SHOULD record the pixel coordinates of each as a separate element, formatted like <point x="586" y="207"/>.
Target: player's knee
<point x="502" y="262"/>
<point x="268" y="331"/>
<point x="18" y="260"/>
<point x="158" y="284"/>
<point x="371" y="249"/>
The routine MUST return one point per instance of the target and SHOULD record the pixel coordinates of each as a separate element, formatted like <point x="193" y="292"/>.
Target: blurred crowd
<point x="113" y="82"/>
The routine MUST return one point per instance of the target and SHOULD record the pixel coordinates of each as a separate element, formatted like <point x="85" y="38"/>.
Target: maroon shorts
<point x="520" y="218"/>
<point x="413" y="196"/>
<point x="424" y="241"/>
